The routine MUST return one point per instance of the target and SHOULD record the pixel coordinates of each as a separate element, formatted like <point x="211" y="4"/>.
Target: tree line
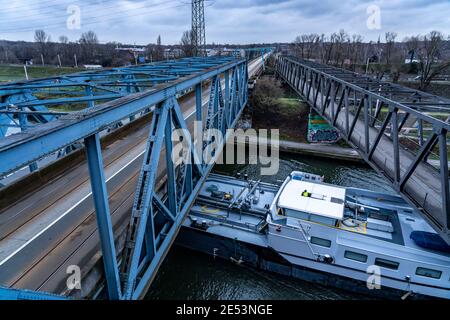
<point x="89" y="50"/>
<point x="428" y="55"/>
<point x="86" y="50"/>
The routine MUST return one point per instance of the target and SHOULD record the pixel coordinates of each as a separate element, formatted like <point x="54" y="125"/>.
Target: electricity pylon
<point x="198" y="27"/>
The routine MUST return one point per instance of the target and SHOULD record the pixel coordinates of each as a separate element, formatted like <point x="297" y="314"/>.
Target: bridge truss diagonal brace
<point x="100" y="197"/>
<point x="142" y="207"/>
<point x="17" y="151"/>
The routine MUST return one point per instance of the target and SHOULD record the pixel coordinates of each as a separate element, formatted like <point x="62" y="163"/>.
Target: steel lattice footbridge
<point x="402" y="133"/>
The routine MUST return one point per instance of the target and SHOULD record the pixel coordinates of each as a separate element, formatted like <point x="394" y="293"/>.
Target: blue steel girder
<point x="213" y="108"/>
<point x="18" y="99"/>
<point x="20" y="149"/>
<point x="7" y="121"/>
<point x="371" y="115"/>
<point x="155" y="223"/>
<point x="100" y="196"/>
<point x="158" y="209"/>
<point x="90" y="87"/>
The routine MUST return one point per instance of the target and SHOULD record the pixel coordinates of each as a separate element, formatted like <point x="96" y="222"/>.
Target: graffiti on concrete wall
<point x="319" y="131"/>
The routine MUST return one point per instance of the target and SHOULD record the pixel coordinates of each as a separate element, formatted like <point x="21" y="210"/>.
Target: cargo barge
<point x="349" y="238"/>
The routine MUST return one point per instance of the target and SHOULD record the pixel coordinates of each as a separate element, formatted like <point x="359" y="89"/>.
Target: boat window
<point x="430" y="273"/>
<point x="297" y="214"/>
<point x="355" y="256"/>
<point x="321" y="242"/>
<point x="323" y="220"/>
<point x="310" y="217"/>
<point x="386" y="263"/>
<point x="336" y="200"/>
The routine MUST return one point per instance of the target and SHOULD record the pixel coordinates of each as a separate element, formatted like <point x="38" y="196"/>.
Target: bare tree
<point x="299" y="46"/>
<point x="43" y="41"/>
<point x="88" y="42"/>
<point x="355" y="50"/>
<point x="89" y="37"/>
<point x="311" y="40"/>
<point x="412" y="45"/>
<point x="186" y="44"/>
<point x="305" y="45"/>
<point x="367" y="52"/>
<point x="334" y="48"/>
<point x="328" y="48"/>
<point x="62" y="49"/>
<point x="41" y="36"/>
<point x="341" y="40"/>
<point x="430" y="50"/>
<point x="63" y="39"/>
<point x="159" y="51"/>
<point x="390" y="46"/>
<point x="320" y="47"/>
<point x="5" y="54"/>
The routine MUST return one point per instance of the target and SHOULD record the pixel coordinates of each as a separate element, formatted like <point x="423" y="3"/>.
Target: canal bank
<point x="325" y="151"/>
<point x="330" y="151"/>
<point x="275" y="106"/>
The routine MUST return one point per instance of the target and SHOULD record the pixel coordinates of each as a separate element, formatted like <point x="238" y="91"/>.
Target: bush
<point x="413" y="68"/>
<point x="266" y="94"/>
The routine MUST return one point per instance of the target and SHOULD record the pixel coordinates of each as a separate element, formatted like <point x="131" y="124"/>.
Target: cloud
<point x="228" y="21"/>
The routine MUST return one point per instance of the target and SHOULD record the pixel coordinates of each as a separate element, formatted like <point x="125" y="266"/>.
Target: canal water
<point x="190" y="275"/>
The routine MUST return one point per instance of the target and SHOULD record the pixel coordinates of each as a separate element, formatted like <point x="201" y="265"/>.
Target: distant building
<point x="92" y="66"/>
<point x="285" y="48"/>
<point x="172" y="53"/>
<point x="211" y="52"/>
<point x="27" y="61"/>
<point x="409" y="60"/>
<point x="132" y="50"/>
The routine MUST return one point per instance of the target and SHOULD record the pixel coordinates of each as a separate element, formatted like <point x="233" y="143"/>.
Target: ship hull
<point x="266" y="259"/>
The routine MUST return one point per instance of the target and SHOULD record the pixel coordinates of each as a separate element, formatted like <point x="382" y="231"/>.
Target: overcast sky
<point x="227" y="21"/>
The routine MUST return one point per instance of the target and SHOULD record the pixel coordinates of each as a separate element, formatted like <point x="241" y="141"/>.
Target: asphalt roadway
<point x="55" y="226"/>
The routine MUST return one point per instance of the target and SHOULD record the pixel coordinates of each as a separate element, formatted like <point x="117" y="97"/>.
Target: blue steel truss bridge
<point x="115" y="202"/>
<point x="127" y="199"/>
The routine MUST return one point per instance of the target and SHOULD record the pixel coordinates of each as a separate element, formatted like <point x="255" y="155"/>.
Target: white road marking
<point x="64" y="214"/>
<point x="71" y="208"/>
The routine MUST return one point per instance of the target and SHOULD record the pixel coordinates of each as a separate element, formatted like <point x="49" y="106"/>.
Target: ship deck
<point x="232" y="219"/>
